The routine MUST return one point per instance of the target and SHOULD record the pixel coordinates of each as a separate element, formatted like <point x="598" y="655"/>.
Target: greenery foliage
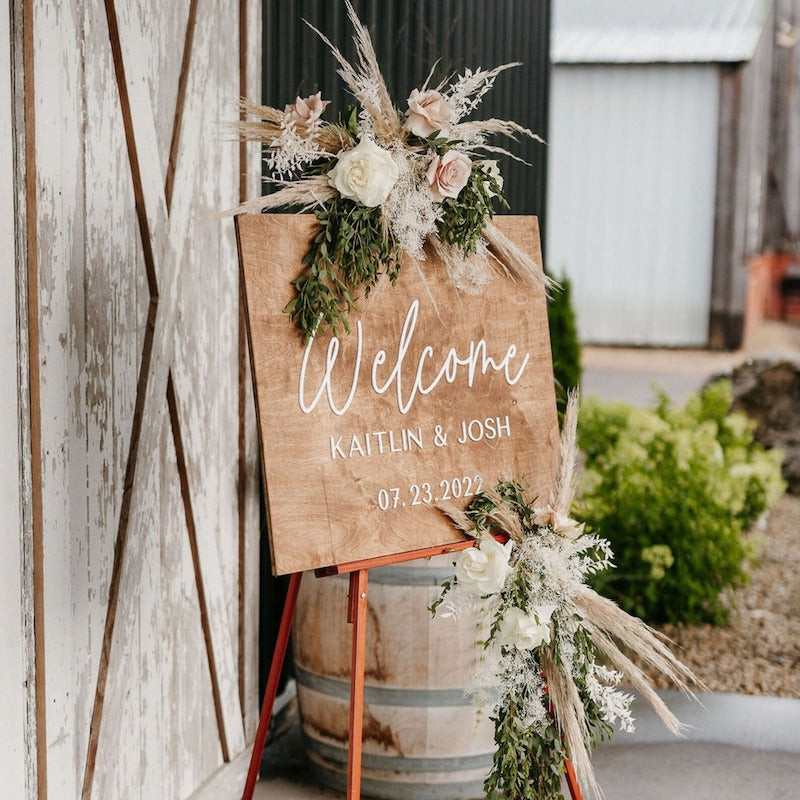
<point x="354" y="248"/>
<point x="350" y="252"/>
<point x="465" y="217"/>
<point x="564" y="342"/>
<point x="528" y="762"/>
<point x="673" y="490"/>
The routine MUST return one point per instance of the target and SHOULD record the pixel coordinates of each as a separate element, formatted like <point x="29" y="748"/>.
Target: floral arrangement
<point x="385" y="183"/>
<point x="557" y="649"/>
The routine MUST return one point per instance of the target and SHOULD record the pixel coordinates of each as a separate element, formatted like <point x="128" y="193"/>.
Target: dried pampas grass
<point x="553" y="568"/>
<point x="516" y="260"/>
<point x="570" y="720"/>
<point x="563" y="492"/>
<point x="366" y="82"/>
<point x="306" y="193"/>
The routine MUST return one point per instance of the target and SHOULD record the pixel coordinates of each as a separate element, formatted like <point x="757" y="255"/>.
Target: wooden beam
<point x="177" y="123"/>
<point x="23" y="20"/>
<point x="186" y="496"/>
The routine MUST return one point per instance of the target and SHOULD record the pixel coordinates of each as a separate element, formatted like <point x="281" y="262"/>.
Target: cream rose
<point x="428" y="111"/>
<point x="448" y="174"/>
<point x="525" y="631"/>
<point x="306" y="109"/>
<point x="483" y="569"/>
<point x="366" y="174"/>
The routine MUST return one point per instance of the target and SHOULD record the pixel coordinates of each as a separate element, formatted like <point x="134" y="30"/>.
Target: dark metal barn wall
<point x="409" y="36"/>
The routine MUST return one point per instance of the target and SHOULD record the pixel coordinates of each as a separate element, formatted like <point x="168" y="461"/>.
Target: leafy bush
<point x="673" y="489"/>
<point x="564" y="342"/>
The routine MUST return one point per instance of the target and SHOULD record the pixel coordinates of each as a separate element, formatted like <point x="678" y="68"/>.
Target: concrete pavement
<point x="738" y="748"/>
<point x="631" y="374"/>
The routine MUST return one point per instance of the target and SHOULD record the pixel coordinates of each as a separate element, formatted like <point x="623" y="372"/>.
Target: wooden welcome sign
<point x="431" y="395"/>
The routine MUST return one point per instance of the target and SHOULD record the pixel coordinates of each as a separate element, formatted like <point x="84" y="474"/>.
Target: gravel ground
<point x="759" y="652"/>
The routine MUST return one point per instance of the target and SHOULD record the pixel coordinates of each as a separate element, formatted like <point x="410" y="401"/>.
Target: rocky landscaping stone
<point x="768" y="391"/>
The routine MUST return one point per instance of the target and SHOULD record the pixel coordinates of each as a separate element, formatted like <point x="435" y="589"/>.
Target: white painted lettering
<point x="405" y="378"/>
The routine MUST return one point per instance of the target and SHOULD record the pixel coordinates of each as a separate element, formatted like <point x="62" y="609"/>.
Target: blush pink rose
<point x="546" y="517"/>
<point x="428" y="111"/>
<point x="306" y="109"/>
<point x="448" y="174"/>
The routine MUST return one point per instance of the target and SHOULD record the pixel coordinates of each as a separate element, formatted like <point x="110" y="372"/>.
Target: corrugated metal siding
<point x="631" y="199"/>
<point x="409" y="36"/>
<point x="783" y="213"/>
<point x="633" y="31"/>
<point x="742" y="183"/>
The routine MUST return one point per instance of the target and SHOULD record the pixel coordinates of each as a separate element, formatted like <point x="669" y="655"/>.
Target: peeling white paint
<point x="158" y="736"/>
<point x="12" y="639"/>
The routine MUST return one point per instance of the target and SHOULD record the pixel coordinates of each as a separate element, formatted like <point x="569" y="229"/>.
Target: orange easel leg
<point x="357" y="615"/>
<point x="272" y="684"/>
<point x="572" y="782"/>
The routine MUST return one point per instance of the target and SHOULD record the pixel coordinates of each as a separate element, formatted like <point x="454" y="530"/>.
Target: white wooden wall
<point x="12" y="624"/>
<point x="149" y="518"/>
<point x="631" y="193"/>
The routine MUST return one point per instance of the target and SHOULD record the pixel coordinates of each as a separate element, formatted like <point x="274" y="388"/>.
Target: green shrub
<point x="673" y="489"/>
<point x="564" y="342"/>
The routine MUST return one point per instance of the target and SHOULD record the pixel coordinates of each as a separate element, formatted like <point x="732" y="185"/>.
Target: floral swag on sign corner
<point x="385" y="184"/>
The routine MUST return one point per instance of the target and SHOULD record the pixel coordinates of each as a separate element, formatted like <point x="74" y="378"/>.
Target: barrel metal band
<point x="338" y="755"/>
<point x="377" y="695"/>
<point x="399" y="790"/>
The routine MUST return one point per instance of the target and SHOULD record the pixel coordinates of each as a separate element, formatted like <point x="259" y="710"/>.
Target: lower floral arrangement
<point x="556" y="649"/>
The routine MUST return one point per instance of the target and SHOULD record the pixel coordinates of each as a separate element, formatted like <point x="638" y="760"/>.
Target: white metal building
<point x="659" y="124"/>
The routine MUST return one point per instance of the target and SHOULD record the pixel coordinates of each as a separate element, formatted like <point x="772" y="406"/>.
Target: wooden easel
<point x="357" y="617"/>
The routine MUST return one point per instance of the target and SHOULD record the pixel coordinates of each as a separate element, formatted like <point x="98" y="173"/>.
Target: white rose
<point x="428" y="111"/>
<point x="483" y="569"/>
<point x="366" y="174"/>
<point x="493" y="171"/>
<point x="306" y="109"/>
<point x="525" y="631"/>
<point x="448" y="174"/>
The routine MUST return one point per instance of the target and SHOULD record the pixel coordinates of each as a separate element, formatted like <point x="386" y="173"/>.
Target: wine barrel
<point x="422" y="739"/>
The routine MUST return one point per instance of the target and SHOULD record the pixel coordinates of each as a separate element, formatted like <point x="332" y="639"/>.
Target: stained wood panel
<point x="147" y="436"/>
<point x="432" y="393"/>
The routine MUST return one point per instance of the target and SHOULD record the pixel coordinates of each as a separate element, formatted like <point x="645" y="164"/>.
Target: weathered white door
<point x="145" y="519"/>
<point x="16" y="627"/>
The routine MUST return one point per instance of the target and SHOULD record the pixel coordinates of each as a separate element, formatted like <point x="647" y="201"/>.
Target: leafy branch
<point x="527" y="765"/>
<point x="349" y="253"/>
<point x="465" y="217"/>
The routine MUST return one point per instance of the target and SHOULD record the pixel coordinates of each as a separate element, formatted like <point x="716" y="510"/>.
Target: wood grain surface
<point x="357" y="474"/>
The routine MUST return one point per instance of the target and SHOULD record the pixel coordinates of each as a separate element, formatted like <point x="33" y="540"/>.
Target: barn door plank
<point x="58" y="80"/>
<point x="14" y="626"/>
<point x="161" y="236"/>
<point x="160" y="737"/>
<point x="117" y="307"/>
<point x="205" y="365"/>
